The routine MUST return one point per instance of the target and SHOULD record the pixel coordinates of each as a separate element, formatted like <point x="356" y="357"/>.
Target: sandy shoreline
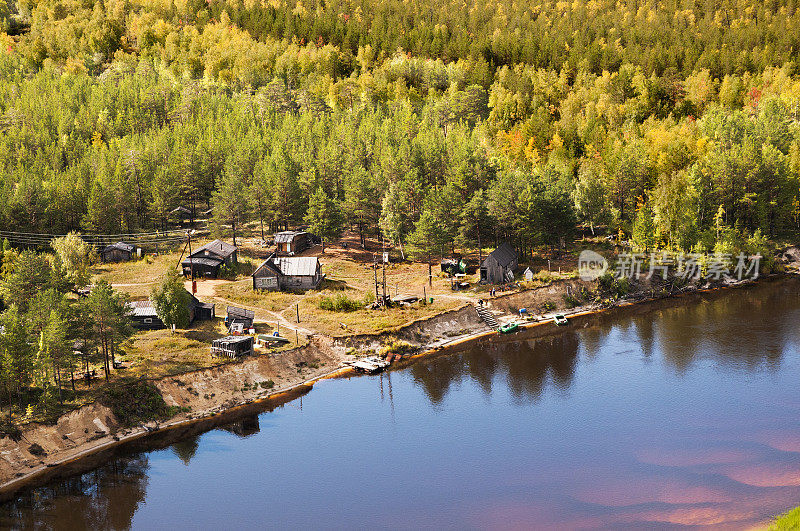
<point x="236" y="403"/>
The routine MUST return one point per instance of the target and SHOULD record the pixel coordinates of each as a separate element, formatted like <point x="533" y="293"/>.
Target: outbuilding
<point x="239" y="316"/>
<point x="288" y="273"/>
<point x="499" y="266"/>
<point x="120" y="252"/>
<point x="232" y="346"/>
<point x="208" y="259"/>
<point x="291" y="243"/>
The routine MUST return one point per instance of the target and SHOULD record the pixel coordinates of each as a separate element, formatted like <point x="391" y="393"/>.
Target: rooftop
<point x="504" y="254"/>
<point x="217" y="247"/>
<point x="240" y="313"/>
<point x="287" y="236"/>
<point x="122" y="246"/>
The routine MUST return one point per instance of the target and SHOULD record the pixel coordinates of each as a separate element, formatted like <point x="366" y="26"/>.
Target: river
<point x="686" y="415"/>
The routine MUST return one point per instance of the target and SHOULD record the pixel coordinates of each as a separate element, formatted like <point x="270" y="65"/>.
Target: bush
<point x="571" y="301"/>
<point x="548" y="306"/>
<point x="339" y="303"/>
<point x="135" y="402"/>
<point x="397" y="347"/>
<point x="8" y="428"/>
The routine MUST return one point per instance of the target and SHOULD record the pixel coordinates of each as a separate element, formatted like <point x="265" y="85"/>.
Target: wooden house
<point x="241" y="316"/>
<point x="120" y="252"/>
<point x="499" y="266"/>
<point x="144" y="317"/>
<point x="291" y="243"/>
<point x="288" y="273"/>
<point x="232" y="346"/>
<point x="181" y="215"/>
<point x="208" y="259"/>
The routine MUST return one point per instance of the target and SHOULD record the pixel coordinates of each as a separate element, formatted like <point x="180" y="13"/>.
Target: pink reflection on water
<point x="684" y="457"/>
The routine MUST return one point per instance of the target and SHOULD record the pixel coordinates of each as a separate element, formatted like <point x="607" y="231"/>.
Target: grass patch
<point x="135" y="402"/>
<point x="339" y="303"/>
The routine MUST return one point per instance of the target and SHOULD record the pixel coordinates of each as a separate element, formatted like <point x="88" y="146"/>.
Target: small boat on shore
<point x="560" y="320"/>
<point x="508" y="328"/>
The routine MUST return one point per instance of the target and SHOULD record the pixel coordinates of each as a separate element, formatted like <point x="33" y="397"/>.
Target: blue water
<point x="683" y="416"/>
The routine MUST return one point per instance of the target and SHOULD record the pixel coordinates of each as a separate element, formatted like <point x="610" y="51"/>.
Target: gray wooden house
<point x="288" y="273"/>
<point x="120" y="252"/>
<point x="499" y="266"/>
<point x="290" y="243"/>
<point x="208" y="259"/>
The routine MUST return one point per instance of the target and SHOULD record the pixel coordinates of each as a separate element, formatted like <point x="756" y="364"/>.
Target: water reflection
<point x="740" y="331"/>
<point x="526" y="367"/>
<point x="105" y="498"/>
<point x="244" y="427"/>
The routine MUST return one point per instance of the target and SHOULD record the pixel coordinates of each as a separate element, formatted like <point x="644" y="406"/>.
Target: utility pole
<point x="375" y="275"/>
<point x="191" y="262"/>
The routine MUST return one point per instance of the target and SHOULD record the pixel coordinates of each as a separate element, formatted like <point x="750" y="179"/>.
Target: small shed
<point x="499" y="266"/>
<point x="288" y="273"/>
<point x="208" y="259"/>
<point x="239" y="316"/>
<point x="203" y="311"/>
<point x="181" y="214"/>
<point x="120" y="252"/>
<point x="290" y="243"/>
<point x="528" y="274"/>
<point x="144" y="317"/>
<point x="232" y="346"/>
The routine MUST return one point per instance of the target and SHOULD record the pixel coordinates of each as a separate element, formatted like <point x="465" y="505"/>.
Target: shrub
<point x="8" y="428"/>
<point x="397" y="347"/>
<point x="571" y="301"/>
<point x="548" y="306"/>
<point x="339" y="303"/>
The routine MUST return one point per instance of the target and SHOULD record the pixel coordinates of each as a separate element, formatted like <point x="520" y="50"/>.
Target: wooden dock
<point x="369" y="365"/>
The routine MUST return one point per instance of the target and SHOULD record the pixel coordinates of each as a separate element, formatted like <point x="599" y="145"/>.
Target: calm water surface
<point x="683" y="416"/>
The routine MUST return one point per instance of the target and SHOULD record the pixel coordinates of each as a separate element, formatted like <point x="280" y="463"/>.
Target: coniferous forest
<point x="673" y="122"/>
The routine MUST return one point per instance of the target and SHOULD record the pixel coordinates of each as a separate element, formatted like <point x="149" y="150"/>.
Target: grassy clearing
<point x="157" y="353"/>
<point x="362" y="320"/>
<point x="242" y="292"/>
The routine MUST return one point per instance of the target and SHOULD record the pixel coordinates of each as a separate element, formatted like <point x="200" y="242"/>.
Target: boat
<point x="274" y="339"/>
<point x="560" y="320"/>
<point x="508" y="328"/>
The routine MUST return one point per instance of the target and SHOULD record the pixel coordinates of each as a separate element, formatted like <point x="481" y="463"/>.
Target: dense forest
<point x="432" y="123"/>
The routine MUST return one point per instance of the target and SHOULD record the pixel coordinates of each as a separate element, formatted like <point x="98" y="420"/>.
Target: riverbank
<point x="211" y="397"/>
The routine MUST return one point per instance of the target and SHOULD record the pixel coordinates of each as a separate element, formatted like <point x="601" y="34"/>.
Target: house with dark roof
<point x="120" y="252"/>
<point x="290" y="243"/>
<point x="288" y="273"/>
<point x="499" y="266"/>
<point x="144" y="317"/>
<point x="181" y="214"/>
<point x="208" y="259"/>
